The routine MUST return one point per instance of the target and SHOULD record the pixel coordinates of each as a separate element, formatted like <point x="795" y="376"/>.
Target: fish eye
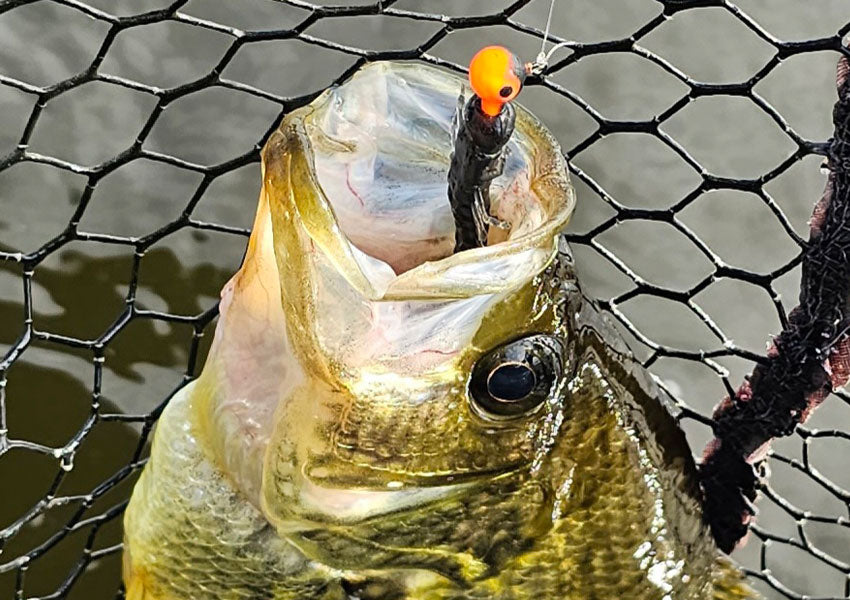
<point x="510" y="382"/>
<point x="506" y="91"/>
<point x="515" y="379"/>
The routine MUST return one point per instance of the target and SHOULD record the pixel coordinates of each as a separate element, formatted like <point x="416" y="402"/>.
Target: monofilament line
<point x="542" y="60"/>
<point x="546" y="33"/>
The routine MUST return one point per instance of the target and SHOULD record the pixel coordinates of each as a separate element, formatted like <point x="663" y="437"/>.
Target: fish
<point x="383" y="418"/>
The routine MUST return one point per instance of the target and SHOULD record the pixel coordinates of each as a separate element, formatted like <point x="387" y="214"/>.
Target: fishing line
<point x="546" y="33"/>
<point x="541" y="63"/>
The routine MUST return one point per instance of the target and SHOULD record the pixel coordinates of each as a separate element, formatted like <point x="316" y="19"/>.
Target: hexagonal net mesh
<point x="129" y="170"/>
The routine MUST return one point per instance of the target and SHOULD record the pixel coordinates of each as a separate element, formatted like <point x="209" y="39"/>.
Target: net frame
<point x="200" y="323"/>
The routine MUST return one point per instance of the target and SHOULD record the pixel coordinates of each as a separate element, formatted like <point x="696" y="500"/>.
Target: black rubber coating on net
<point x="25" y="265"/>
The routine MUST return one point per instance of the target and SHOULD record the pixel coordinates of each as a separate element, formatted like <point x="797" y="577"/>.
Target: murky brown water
<point x="80" y="289"/>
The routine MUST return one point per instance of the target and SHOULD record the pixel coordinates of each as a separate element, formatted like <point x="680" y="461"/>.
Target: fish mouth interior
<point x="380" y="148"/>
<point x="385" y="177"/>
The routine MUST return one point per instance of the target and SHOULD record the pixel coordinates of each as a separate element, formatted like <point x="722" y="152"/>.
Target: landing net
<point x="694" y="131"/>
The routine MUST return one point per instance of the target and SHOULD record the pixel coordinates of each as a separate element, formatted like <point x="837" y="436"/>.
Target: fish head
<point x="366" y="380"/>
<point x="424" y="371"/>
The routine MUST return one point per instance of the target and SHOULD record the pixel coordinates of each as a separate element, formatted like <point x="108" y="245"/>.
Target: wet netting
<point x="129" y="168"/>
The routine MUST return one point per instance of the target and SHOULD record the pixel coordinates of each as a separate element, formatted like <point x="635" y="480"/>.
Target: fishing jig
<point x="484" y="126"/>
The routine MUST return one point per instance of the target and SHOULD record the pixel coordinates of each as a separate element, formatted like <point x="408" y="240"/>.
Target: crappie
<point x="382" y="419"/>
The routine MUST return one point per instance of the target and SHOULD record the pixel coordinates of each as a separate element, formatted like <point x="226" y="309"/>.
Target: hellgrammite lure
<point x="484" y="126"/>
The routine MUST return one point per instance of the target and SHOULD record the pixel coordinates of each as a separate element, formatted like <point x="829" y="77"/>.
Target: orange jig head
<point x="496" y="76"/>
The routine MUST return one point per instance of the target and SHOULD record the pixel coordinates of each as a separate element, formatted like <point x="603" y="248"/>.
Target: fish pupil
<point x="511" y="382"/>
<point x="506" y="91"/>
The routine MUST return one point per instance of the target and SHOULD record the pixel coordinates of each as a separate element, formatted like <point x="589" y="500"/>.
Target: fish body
<point x="382" y="419"/>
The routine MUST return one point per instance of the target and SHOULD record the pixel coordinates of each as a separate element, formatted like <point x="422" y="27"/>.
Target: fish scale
<point x="195" y="533"/>
<point x="375" y="440"/>
<point x="590" y="553"/>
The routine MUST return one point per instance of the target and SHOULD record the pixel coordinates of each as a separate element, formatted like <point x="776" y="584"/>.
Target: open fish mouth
<point x="347" y="339"/>
<point x="383" y="319"/>
<point x="374" y="154"/>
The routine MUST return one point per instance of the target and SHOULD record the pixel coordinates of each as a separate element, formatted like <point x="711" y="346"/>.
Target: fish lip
<point x="418" y="498"/>
<point x="420" y="481"/>
<point x="447" y="278"/>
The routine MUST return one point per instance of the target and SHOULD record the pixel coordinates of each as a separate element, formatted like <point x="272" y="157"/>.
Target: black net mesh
<point x="129" y="138"/>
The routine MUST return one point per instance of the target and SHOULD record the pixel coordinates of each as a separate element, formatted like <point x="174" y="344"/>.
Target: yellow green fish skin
<point x="331" y="448"/>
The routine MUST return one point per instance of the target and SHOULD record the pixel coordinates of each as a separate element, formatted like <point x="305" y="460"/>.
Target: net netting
<point x="129" y="139"/>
